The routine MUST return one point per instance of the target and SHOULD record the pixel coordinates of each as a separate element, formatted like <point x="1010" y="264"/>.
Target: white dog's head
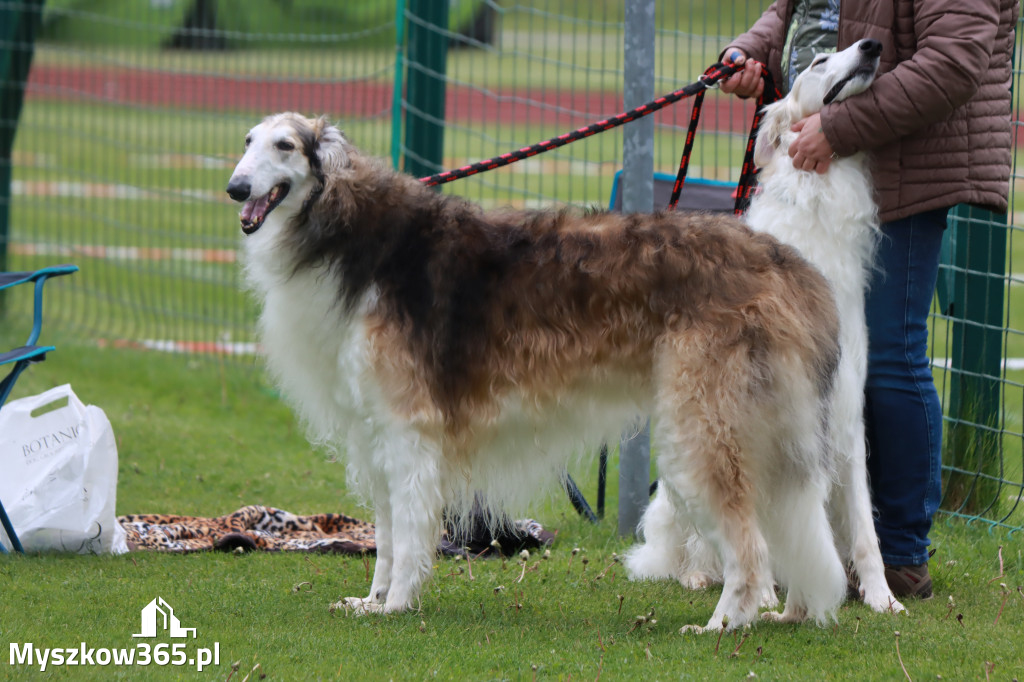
<point x="285" y="161"/>
<point x="830" y="78"/>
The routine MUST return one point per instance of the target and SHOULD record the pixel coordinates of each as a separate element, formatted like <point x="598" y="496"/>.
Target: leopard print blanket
<point x="268" y="529"/>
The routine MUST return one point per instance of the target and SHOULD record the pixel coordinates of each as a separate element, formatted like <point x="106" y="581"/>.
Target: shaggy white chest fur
<point x="830" y="218"/>
<point x="314" y="349"/>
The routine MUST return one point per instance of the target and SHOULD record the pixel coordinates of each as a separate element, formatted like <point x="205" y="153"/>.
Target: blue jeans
<point x="903" y="415"/>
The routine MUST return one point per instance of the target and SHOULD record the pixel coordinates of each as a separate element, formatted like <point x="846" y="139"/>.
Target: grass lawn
<point x="206" y="438"/>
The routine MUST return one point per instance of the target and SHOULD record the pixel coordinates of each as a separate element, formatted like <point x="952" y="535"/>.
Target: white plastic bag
<point x="58" y="474"/>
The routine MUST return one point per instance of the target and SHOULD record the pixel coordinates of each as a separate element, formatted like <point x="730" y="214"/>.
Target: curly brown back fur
<point x="482" y="296"/>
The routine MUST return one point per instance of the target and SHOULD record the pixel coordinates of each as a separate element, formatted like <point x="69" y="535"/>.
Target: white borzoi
<point x="452" y="352"/>
<point x="832" y="219"/>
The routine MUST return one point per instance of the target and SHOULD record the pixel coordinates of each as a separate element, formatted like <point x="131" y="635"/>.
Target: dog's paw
<point x="716" y="624"/>
<point x="883" y="603"/>
<point x="784" y="616"/>
<point x="696" y="580"/>
<point x="357" y="606"/>
<point x="881" y="599"/>
<point x="895" y="606"/>
<point x="769" y="598"/>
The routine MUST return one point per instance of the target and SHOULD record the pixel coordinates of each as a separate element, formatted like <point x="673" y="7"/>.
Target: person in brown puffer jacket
<point x="936" y="123"/>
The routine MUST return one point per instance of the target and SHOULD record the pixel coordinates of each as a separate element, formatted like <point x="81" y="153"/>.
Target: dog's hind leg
<point x="703" y="405"/>
<point x="806" y="561"/>
<point x="850" y="505"/>
<point x="851" y="514"/>
<point x="852" y="499"/>
<point x="730" y="524"/>
<point x="660" y="554"/>
<point x="672" y="547"/>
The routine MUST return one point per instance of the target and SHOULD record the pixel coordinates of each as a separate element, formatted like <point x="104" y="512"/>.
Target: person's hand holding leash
<point x="811" y="151"/>
<point x="745" y="83"/>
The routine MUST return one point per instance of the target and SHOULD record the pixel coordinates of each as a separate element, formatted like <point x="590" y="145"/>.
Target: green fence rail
<point x="128" y="123"/>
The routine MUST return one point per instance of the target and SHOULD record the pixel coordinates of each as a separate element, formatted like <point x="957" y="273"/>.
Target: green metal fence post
<point x="18" y="25"/>
<point x="426" y="66"/>
<point x="398" y="86"/>
<point x="977" y="243"/>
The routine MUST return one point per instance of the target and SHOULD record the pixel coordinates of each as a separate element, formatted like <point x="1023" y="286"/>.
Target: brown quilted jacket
<point x="937" y="120"/>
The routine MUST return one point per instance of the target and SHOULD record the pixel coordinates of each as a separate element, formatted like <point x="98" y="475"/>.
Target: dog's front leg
<point x="408" y="501"/>
<point x="385" y="549"/>
<point x="374" y="602"/>
<point x="416" y="503"/>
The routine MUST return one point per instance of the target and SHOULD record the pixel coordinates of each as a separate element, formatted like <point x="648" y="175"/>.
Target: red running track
<point x="350" y="99"/>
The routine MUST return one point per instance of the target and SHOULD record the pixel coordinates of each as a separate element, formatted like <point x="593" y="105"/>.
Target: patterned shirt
<point x="813" y="30"/>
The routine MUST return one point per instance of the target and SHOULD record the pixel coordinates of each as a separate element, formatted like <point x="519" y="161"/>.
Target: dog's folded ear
<point x="769" y="137"/>
<point x="332" y="149"/>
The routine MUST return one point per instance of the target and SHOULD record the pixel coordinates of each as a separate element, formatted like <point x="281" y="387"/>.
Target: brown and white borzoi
<point x="832" y="219"/>
<point x="452" y="352"/>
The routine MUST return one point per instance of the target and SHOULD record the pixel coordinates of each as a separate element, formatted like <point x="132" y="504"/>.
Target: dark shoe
<point x="909" y="581"/>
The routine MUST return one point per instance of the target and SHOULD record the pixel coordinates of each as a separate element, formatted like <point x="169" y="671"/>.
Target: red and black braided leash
<point x="710" y="79"/>
<point x="748" y="173"/>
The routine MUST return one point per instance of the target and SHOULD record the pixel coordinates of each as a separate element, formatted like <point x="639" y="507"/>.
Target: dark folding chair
<point x="22" y="357"/>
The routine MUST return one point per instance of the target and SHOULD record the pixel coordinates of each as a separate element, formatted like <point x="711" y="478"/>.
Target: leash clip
<point x="714" y="85"/>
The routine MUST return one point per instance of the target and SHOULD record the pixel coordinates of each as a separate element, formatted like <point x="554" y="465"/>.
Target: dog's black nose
<point x="870" y="48"/>
<point x="239" y="190"/>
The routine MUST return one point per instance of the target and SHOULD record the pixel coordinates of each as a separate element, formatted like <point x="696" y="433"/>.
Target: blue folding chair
<point x="22" y="357"/>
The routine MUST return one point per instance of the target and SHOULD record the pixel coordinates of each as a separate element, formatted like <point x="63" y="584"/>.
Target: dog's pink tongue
<point x="254" y="209"/>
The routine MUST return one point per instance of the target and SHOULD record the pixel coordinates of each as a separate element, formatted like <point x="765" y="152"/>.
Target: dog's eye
<point x="818" y="61"/>
<point x="285" y="145"/>
<point x="248" y="141"/>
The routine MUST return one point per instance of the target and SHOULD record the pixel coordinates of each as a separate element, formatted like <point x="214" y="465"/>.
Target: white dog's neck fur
<point x="841" y="201"/>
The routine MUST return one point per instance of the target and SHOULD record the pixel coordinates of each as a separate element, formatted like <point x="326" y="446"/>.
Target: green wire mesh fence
<point x="116" y="145"/>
